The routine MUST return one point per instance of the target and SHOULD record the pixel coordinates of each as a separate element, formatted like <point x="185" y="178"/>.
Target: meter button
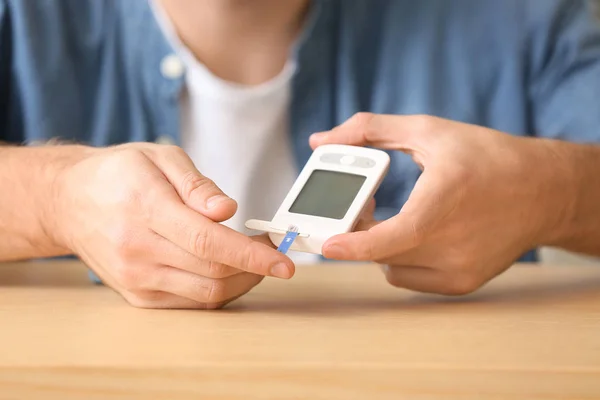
<point x="347" y="160"/>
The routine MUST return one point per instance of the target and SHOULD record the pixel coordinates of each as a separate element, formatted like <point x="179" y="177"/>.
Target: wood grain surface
<point x="334" y="331"/>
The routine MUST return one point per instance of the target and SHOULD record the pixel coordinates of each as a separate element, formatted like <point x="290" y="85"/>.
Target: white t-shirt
<point x="237" y="135"/>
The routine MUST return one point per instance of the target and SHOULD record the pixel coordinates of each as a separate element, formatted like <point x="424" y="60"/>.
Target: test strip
<point x="288" y="240"/>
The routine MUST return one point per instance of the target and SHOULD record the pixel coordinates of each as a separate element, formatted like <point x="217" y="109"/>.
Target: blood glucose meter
<point x="328" y="197"/>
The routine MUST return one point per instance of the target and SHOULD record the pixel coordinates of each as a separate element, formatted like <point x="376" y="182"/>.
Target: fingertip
<point x="217" y="201"/>
<point x="283" y="270"/>
<point x="220" y="208"/>
<point x="335" y="249"/>
<point x="354" y="246"/>
<point x="317" y="139"/>
<point x="292" y="270"/>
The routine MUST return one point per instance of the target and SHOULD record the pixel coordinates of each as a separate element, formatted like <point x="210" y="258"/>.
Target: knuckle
<point x="216" y="270"/>
<point x="245" y="257"/>
<point x="216" y="292"/>
<point x="423" y="123"/>
<point x="463" y="283"/>
<point x="362" y="122"/>
<point x="142" y="299"/>
<point x="250" y="259"/>
<point x="201" y="243"/>
<point x="127" y="276"/>
<point x="123" y="159"/>
<point x="193" y="183"/>
<point x="392" y="277"/>
<point x="362" y="118"/>
<point x="366" y="251"/>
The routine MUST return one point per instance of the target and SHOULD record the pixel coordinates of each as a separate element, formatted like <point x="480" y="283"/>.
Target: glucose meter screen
<point x="328" y="194"/>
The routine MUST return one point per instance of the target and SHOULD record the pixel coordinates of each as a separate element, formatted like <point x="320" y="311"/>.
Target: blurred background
<point x="553" y="256"/>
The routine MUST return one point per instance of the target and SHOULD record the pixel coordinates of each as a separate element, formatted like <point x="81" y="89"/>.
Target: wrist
<point x="54" y="200"/>
<point x="557" y="192"/>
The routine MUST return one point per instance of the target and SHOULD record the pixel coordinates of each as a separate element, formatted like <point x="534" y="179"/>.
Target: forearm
<point x="577" y="191"/>
<point x="27" y="198"/>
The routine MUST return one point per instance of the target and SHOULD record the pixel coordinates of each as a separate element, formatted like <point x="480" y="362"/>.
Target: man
<point x="241" y="85"/>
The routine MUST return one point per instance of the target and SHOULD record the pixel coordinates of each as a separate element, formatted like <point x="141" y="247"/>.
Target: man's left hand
<point x="483" y="200"/>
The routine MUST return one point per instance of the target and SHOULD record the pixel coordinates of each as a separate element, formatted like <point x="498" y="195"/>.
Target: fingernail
<point x="215" y="201"/>
<point x="335" y="251"/>
<point x="280" y="271"/>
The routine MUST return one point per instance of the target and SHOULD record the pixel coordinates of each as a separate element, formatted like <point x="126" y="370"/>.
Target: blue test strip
<point x="288" y="240"/>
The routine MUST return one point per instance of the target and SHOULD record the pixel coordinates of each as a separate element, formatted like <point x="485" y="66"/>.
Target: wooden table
<point x="334" y="331"/>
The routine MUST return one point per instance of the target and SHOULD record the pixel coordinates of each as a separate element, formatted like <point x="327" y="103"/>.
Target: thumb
<point x="432" y="198"/>
<point x="195" y="190"/>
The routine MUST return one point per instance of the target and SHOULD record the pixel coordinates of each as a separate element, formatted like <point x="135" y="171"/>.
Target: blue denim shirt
<point x="90" y="71"/>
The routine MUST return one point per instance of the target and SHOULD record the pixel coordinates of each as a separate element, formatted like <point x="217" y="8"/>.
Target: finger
<point x="367" y="218"/>
<point x="200" y="289"/>
<point x="166" y="253"/>
<point x="426" y="255"/>
<point x="431" y="200"/>
<point x="143" y="299"/>
<point x="211" y="241"/>
<point x="163" y="300"/>
<point x="195" y="190"/>
<point x="415" y="278"/>
<point x="432" y="281"/>
<point x="263" y="239"/>
<point x="365" y="224"/>
<point x="367" y="214"/>
<point x="392" y="132"/>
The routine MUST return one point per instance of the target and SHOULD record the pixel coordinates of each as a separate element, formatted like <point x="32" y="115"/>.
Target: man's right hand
<point x="146" y="221"/>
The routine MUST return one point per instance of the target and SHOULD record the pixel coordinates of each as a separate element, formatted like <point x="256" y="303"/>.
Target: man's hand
<point x="146" y="221"/>
<point x="484" y="198"/>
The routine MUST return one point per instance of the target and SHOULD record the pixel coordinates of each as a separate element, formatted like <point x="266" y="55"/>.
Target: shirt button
<point x="171" y="67"/>
<point x="165" y="140"/>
